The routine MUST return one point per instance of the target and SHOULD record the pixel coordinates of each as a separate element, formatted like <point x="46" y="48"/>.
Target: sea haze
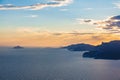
<point x="54" y="64"/>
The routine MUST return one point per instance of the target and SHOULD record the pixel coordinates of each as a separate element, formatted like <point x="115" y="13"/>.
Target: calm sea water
<point x="54" y="64"/>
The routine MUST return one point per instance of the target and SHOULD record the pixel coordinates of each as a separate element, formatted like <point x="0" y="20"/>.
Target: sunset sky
<point x="55" y="23"/>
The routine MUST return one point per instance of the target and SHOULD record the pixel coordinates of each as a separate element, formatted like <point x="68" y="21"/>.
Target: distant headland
<point x="80" y="47"/>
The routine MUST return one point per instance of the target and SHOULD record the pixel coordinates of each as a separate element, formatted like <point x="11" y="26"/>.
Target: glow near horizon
<point x="20" y="26"/>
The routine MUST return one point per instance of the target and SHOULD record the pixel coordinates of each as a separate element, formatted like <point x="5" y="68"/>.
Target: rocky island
<point x="18" y="47"/>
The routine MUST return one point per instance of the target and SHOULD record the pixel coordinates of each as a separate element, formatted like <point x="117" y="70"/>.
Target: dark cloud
<point x="87" y="21"/>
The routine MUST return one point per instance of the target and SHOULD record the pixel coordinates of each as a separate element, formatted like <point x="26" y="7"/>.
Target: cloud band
<point x="38" y="6"/>
<point x="111" y="24"/>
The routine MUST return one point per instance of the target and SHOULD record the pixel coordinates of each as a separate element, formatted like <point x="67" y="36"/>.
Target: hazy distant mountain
<point x="110" y="50"/>
<point x="18" y="47"/>
<point x="80" y="47"/>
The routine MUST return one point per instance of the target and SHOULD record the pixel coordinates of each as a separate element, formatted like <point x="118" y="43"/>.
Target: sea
<point x="54" y="64"/>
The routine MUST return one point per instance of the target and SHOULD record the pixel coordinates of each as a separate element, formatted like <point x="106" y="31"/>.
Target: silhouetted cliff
<point x="110" y="50"/>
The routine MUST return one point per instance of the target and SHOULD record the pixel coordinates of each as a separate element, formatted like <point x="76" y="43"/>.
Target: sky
<point x="56" y="23"/>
